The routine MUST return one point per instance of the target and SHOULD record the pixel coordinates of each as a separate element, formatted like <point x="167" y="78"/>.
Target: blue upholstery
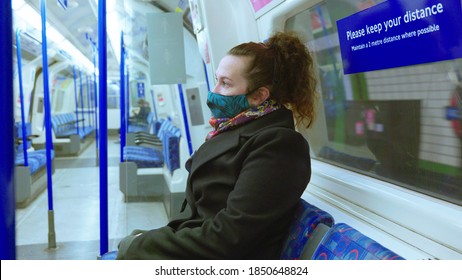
<point x="138" y="126"/>
<point x="306" y="218"/>
<point x="36" y="159"/>
<point x="156" y="126"/>
<point x="112" y="255"/>
<point x="34" y="164"/>
<point x="171" y="149"/>
<point x="18" y="135"/>
<point x="146" y="157"/>
<point x="65" y="125"/>
<point x="342" y="242"/>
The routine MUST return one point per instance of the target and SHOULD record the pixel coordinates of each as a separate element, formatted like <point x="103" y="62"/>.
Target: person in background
<point x="246" y="180"/>
<point x="141" y="115"/>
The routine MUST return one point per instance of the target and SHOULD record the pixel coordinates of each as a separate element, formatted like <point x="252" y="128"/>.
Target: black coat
<point x="243" y="187"/>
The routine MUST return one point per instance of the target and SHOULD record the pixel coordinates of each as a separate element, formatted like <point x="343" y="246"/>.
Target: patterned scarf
<point x="224" y="124"/>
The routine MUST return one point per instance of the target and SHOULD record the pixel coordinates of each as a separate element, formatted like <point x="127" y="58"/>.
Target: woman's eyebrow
<point x="223" y="77"/>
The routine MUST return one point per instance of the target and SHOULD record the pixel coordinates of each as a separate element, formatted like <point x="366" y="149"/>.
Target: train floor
<point x="76" y="205"/>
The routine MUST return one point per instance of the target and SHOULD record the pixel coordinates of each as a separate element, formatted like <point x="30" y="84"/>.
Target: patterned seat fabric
<point x="35" y="159"/>
<point x="109" y="256"/>
<point x="306" y="218"/>
<point x="171" y="141"/>
<point x="342" y="242"/>
<point x="134" y="126"/>
<point x="146" y="157"/>
<point x="65" y="125"/>
<point x="143" y="157"/>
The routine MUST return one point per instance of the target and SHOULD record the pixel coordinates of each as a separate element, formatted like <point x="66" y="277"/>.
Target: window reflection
<point x="400" y="125"/>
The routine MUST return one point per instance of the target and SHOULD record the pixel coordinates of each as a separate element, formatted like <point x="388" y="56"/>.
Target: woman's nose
<point x="215" y="89"/>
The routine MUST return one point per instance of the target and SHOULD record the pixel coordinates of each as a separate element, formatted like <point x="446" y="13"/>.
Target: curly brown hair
<point x="283" y="64"/>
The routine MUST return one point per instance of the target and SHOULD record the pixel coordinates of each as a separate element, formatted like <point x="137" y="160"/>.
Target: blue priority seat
<point x="306" y="224"/>
<point x="342" y="242"/>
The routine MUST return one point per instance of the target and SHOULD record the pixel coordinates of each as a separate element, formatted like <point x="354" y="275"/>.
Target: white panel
<point x="166" y="48"/>
<point x="227" y="24"/>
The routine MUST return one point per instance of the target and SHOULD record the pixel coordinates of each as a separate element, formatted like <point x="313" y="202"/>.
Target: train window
<point x="83" y="97"/>
<point x="113" y="95"/>
<point x="60" y="96"/>
<point x="134" y="94"/>
<point x="400" y="125"/>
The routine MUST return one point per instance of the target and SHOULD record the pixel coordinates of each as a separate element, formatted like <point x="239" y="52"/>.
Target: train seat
<point x="111" y="255"/>
<point x="342" y="242"/>
<point x="144" y="157"/>
<point x="36" y="158"/>
<point x="69" y="136"/>
<point x="156" y="125"/>
<point x="141" y="126"/>
<point x="145" y="138"/>
<point x="30" y="179"/>
<point x="306" y="230"/>
<point x="171" y="152"/>
<point x="146" y="170"/>
<point x="64" y="125"/>
<point x="154" y="152"/>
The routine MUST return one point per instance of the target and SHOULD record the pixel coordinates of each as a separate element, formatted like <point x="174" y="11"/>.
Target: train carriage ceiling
<point x="79" y="24"/>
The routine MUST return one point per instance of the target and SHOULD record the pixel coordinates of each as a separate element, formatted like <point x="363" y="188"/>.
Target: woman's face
<point x="230" y="76"/>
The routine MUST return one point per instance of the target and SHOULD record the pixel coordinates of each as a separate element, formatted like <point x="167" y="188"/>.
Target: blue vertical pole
<point x="76" y="100"/>
<point x="127" y="91"/>
<point x="88" y="102"/>
<point x="49" y="143"/>
<point x="122" y="98"/>
<point x="81" y="102"/>
<point x="96" y="102"/>
<point x="7" y="199"/>
<point x="185" y="119"/>
<point x="92" y="97"/>
<point x="103" y="176"/>
<point x="21" y="97"/>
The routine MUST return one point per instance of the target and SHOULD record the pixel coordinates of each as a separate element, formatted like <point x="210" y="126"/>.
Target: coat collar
<point x="230" y="139"/>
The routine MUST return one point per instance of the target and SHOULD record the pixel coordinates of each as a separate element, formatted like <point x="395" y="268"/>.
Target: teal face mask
<point x="223" y="106"/>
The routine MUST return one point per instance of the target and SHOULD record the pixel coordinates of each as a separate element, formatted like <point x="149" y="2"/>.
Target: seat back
<point x="306" y="218"/>
<point x="342" y="242"/>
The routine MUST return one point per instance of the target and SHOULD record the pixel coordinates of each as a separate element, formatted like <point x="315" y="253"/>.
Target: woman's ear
<point x="259" y="96"/>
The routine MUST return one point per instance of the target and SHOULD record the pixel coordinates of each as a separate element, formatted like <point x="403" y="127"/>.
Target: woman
<point x="247" y="178"/>
<point x="141" y="116"/>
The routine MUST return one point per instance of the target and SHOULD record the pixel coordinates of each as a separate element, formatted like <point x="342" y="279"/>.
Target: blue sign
<point x="399" y="33"/>
<point x="140" y="87"/>
<point x="453" y="113"/>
